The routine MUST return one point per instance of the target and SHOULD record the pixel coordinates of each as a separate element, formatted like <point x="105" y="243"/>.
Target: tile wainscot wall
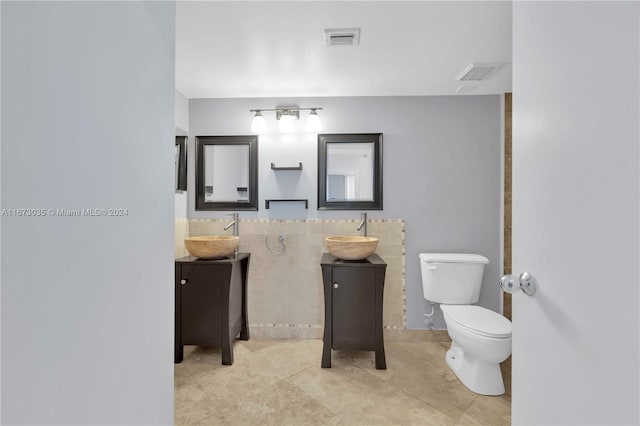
<point x="285" y="290"/>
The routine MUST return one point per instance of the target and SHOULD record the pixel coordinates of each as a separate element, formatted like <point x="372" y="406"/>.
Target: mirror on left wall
<point x="181" y="163"/>
<point x="227" y="172"/>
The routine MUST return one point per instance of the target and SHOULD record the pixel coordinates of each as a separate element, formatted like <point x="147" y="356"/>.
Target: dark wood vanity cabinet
<point x="353" y="293"/>
<point x="211" y="303"/>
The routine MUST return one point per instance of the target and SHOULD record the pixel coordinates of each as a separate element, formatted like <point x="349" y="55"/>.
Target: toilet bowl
<point x="480" y="338"/>
<point x="480" y="341"/>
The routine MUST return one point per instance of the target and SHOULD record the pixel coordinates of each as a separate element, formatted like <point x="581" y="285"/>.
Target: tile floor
<point x="281" y="382"/>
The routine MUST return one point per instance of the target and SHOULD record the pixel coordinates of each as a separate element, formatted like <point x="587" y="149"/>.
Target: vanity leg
<point x="178" y="347"/>
<point x="327" y="337"/>
<point x="244" y="332"/>
<point x="178" y="354"/>
<point x="227" y="350"/>
<point x="244" y="329"/>
<point x="381" y="363"/>
<point x="228" y="334"/>
<point x="326" y="355"/>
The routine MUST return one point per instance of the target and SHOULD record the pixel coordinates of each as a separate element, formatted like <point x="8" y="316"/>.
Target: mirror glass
<point x="227" y="173"/>
<point x="228" y="167"/>
<point x="350" y="171"/>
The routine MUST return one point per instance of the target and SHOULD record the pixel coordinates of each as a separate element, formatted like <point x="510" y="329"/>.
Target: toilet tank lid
<point x="453" y="258"/>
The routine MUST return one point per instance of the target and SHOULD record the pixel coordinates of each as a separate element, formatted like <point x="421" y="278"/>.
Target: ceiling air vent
<point x="342" y="37"/>
<point x="479" y="71"/>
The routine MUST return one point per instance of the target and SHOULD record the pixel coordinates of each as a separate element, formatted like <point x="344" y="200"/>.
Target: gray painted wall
<point x="441" y="171"/>
<point x="87" y="302"/>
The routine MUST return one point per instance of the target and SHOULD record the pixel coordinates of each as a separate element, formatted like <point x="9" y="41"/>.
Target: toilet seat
<point x="478" y="320"/>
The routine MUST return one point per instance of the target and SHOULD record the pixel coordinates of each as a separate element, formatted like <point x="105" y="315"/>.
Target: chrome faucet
<point x="363" y="225"/>
<point x="235" y="224"/>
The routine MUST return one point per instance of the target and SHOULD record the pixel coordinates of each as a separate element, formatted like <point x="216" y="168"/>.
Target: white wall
<point x="182" y="129"/>
<point x="87" y="302"/>
<point x="182" y="111"/>
<point x="441" y="171"/>
<point x="576" y="209"/>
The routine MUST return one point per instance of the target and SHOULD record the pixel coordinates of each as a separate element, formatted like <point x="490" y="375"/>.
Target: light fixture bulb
<point x="313" y="122"/>
<point x="285" y="124"/>
<point x="259" y="124"/>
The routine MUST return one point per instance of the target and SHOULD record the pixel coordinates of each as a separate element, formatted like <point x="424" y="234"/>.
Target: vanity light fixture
<point x="313" y="122"/>
<point x="259" y="124"/>
<point x="285" y="117"/>
<point x="285" y="121"/>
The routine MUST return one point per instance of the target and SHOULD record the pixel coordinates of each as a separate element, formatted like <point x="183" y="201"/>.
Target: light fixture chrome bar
<point x="289" y="109"/>
<point x="285" y="116"/>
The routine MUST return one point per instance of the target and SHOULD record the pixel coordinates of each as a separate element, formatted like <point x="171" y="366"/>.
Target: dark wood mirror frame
<point x="252" y="203"/>
<point x="181" y="181"/>
<point x="323" y="140"/>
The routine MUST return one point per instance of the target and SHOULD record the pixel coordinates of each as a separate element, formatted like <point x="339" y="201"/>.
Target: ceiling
<point x="276" y="49"/>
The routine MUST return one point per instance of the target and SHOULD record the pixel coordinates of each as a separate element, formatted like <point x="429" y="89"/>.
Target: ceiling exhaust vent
<point x="342" y="37"/>
<point x="479" y="71"/>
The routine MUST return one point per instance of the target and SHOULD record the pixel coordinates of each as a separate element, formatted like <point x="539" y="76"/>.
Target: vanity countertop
<point x="229" y="259"/>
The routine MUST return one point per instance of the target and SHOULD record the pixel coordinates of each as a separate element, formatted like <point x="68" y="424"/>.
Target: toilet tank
<point x="452" y="278"/>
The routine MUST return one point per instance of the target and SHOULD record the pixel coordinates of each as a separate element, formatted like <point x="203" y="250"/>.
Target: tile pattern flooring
<point x="281" y="382"/>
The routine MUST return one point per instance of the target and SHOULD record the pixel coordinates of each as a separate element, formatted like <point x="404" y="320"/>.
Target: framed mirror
<point x="350" y="171"/>
<point x="181" y="163"/>
<point x="227" y="173"/>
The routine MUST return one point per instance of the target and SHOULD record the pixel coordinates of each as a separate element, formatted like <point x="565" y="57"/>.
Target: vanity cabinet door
<point x="354" y="303"/>
<point x="211" y="304"/>
<point x="201" y="305"/>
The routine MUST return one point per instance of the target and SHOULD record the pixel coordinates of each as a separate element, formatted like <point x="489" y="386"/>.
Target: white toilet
<point x="480" y="338"/>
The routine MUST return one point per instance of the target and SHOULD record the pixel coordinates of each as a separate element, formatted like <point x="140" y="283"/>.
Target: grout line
<point x="218" y="416"/>
<point x="468" y="408"/>
<point x="298" y="373"/>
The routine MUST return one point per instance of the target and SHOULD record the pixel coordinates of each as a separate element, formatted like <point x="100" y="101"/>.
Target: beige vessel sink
<point x="351" y="248"/>
<point x="211" y="246"/>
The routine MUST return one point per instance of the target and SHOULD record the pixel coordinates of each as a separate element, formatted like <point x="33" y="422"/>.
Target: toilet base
<point x="479" y="376"/>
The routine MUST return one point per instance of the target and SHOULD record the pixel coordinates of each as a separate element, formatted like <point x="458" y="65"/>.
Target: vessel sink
<point x="351" y="247"/>
<point x="211" y="246"/>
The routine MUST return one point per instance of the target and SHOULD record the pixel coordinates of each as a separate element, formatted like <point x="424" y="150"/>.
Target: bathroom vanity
<point x="353" y="292"/>
<point x="211" y="303"/>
